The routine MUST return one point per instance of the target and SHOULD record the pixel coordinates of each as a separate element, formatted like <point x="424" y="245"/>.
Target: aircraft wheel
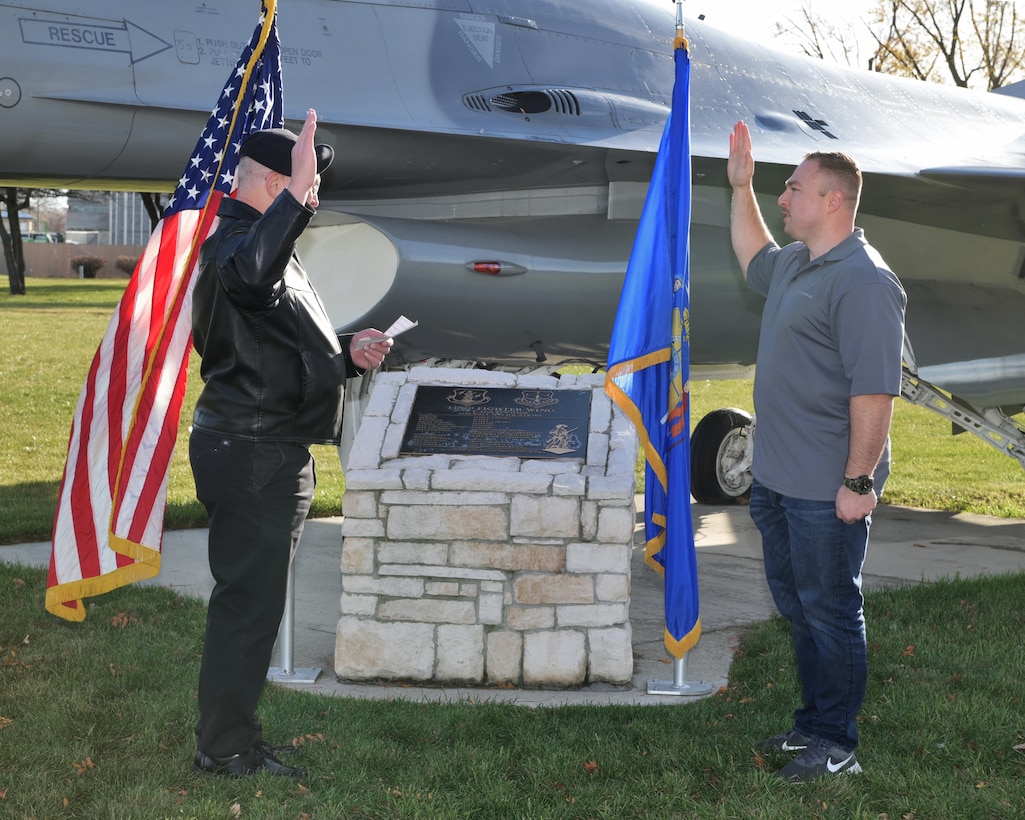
<point x="719" y="442"/>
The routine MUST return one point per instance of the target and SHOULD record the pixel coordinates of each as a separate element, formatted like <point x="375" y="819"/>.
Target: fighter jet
<point x="492" y="158"/>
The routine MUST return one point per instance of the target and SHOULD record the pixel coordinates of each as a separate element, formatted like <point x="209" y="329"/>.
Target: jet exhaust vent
<point x="523" y="102"/>
<point x="476" y="102"/>
<point x="556" y="100"/>
<point x="565" y="102"/>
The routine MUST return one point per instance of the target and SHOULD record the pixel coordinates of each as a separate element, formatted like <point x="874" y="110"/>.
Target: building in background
<point x="108" y="218"/>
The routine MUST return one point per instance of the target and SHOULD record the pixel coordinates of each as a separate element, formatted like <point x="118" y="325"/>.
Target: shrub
<point x="88" y="265"/>
<point x="126" y="264"/>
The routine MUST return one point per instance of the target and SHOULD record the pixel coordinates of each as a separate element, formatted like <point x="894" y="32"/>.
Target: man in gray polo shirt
<point x="828" y="367"/>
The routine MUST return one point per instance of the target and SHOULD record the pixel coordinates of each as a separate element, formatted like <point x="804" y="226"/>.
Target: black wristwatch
<point x="862" y="485"/>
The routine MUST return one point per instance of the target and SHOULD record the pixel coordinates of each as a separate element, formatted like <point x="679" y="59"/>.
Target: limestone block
<point x="554" y="658"/>
<point x="391" y="441"/>
<point x="412" y="552"/>
<point x="427" y="610"/>
<point x="442" y="589"/>
<point x="366" y="448"/>
<point x="598" y="558"/>
<point x="496" y="481"/>
<point x="611" y="488"/>
<point x="588" y="520"/>
<point x="553" y="589"/>
<point x="591" y="615"/>
<point x="616" y="524"/>
<point x="383" y="396"/>
<point x="554" y="467"/>
<point x="551" y="517"/>
<point x="569" y="484"/>
<point x="362" y="528"/>
<point x="597" y="448"/>
<point x="538" y="381"/>
<point x="415" y="478"/>
<point x="366" y="650"/>
<point x="466" y="498"/>
<point x="359" y="604"/>
<point x="601" y="412"/>
<point x="403" y="404"/>
<point x="383" y="479"/>
<point x="387" y="587"/>
<point x="489" y="609"/>
<point x="448" y="523"/>
<point x="529" y="617"/>
<point x="621" y="461"/>
<point x="489" y="464"/>
<point x="460" y="654"/>
<point x="509" y="557"/>
<point x="359" y="504"/>
<point x="504" y="657"/>
<point x="429" y="571"/>
<point x="460" y="376"/>
<point x="469" y="590"/>
<point x="611" y="654"/>
<point x="432" y="463"/>
<point x="357" y="556"/>
<point x="612" y="588"/>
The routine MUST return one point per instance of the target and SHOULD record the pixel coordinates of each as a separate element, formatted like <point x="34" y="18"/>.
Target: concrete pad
<point x="907" y="546"/>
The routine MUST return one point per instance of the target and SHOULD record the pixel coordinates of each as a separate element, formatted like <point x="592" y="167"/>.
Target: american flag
<point x="108" y="526"/>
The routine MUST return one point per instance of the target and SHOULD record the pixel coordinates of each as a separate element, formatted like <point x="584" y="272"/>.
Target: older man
<point x="273" y="371"/>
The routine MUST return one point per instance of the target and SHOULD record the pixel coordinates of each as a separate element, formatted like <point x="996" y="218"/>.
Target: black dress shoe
<point x="254" y="761"/>
<point x="277" y="751"/>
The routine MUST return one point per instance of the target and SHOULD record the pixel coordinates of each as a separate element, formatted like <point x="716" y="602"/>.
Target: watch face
<point x="861" y="485"/>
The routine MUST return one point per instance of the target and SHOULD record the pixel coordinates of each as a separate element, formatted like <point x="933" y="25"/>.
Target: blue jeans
<point x="813" y="564"/>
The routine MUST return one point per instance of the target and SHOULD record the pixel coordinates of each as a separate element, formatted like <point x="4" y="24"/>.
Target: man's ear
<point x="274" y="183"/>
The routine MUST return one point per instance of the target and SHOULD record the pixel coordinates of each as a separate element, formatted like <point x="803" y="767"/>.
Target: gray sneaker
<point x="790" y="741"/>
<point x="819" y="761"/>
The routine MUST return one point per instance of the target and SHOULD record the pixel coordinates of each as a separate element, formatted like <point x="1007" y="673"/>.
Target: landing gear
<point x="720" y="457"/>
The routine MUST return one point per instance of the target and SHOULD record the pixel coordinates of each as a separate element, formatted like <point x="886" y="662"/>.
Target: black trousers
<point x="257" y="496"/>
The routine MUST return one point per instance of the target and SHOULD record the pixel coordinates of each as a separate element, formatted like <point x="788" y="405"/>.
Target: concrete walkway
<point x="908" y="545"/>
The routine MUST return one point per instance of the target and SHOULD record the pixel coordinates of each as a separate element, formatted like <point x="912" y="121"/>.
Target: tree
<point x="154" y="203"/>
<point x="967" y="42"/>
<point x="818" y="37"/>
<point x="15" y="200"/>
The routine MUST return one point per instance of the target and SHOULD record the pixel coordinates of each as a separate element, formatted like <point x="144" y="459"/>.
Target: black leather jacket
<point x="273" y="367"/>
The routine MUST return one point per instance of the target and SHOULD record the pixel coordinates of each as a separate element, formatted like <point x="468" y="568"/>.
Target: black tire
<point x="713" y="451"/>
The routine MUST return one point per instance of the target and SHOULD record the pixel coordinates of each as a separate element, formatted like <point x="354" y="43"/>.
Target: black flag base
<point x="679" y="685"/>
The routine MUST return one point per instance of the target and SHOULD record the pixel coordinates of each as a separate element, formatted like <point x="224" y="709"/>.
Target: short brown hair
<point x="844" y="171"/>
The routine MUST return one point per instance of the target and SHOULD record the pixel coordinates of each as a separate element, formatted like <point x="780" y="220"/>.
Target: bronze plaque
<point x="489" y="421"/>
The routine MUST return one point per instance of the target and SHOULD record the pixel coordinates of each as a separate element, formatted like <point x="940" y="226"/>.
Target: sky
<point x="757" y="18"/>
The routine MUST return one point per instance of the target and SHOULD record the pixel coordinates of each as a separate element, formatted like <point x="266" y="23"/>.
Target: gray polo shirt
<point x="831" y="329"/>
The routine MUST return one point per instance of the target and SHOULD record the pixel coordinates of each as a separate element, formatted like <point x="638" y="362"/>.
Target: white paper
<point x="399" y="326"/>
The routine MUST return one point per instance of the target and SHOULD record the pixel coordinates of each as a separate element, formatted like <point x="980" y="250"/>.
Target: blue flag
<point x="649" y="365"/>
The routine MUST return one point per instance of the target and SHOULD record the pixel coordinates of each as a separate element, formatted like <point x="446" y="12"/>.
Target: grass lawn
<point x="96" y="718"/>
<point x="96" y="722"/>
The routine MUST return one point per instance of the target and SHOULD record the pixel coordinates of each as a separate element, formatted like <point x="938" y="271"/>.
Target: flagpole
<point x="285" y="672"/>
<point x="679" y="685"/>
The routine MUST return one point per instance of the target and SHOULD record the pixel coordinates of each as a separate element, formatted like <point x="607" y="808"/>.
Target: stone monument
<point x="488" y="532"/>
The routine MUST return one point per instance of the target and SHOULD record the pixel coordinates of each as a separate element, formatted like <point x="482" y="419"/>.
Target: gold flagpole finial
<point x="681" y="35"/>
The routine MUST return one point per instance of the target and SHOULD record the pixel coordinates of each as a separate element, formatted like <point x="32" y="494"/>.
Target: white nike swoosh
<point x="835" y="767"/>
<point x="788" y="748"/>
